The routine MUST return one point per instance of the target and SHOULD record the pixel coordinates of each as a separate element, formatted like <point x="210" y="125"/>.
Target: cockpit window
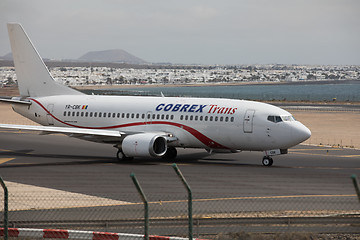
<point x="288" y="118"/>
<point x="274" y="119"/>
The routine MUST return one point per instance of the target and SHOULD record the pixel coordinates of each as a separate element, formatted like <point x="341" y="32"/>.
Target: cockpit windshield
<point x="277" y="119"/>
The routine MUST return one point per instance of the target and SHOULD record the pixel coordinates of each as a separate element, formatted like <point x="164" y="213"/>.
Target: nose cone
<point x="301" y="133"/>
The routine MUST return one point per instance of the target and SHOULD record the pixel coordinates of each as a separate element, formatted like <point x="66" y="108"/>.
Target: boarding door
<point x="248" y="121"/>
<point x="49" y="114"/>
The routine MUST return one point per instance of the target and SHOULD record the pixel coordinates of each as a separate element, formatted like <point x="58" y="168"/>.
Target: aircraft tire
<point x="171" y="153"/>
<point x="121" y="156"/>
<point x="267" y="161"/>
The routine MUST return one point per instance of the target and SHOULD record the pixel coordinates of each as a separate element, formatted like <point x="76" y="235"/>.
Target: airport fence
<point x="31" y="209"/>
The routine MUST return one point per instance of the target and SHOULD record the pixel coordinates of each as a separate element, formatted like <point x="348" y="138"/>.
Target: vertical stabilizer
<point x="33" y="77"/>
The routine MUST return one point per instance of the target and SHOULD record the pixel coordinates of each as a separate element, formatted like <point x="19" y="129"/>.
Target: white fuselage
<point x="196" y="122"/>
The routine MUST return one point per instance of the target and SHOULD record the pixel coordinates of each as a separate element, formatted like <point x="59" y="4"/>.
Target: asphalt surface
<point x="65" y="163"/>
<point x="308" y="178"/>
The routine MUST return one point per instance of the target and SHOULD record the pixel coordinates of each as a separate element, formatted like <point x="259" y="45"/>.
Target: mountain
<point x="7" y="56"/>
<point x="115" y="55"/>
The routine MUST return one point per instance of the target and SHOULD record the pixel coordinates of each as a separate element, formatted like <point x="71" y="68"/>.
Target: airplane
<point x="142" y="126"/>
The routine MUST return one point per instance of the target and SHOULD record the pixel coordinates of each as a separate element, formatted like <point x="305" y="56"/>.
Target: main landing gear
<point x="267" y="161"/>
<point x="171" y="153"/>
<point x="121" y="156"/>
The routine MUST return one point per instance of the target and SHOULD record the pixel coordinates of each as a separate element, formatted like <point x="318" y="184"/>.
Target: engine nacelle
<point x="144" y="145"/>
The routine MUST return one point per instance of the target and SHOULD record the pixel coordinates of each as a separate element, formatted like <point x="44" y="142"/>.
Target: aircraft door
<point x="49" y="118"/>
<point x="248" y="121"/>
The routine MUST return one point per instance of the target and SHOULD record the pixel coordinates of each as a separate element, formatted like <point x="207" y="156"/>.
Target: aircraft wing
<point x="93" y="135"/>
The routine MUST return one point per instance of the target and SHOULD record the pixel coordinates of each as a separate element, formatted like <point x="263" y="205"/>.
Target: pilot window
<point x="274" y="119"/>
<point x="288" y="118"/>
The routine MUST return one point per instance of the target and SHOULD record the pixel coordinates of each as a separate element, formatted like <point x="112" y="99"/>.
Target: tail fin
<point x="33" y="77"/>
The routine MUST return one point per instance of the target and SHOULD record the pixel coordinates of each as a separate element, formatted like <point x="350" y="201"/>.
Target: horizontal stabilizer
<point x="15" y="100"/>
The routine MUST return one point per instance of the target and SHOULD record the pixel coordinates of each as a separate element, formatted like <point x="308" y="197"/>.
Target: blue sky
<point x="204" y="32"/>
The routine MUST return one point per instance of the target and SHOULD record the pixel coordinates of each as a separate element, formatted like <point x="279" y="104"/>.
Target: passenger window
<point x="167" y="117"/>
<point x="82" y="114"/>
<point x="211" y="118"/>
<point x="186" y="117"/>
<point x="109" y="115"/>
<point x="69" y="114"/>
<point x="221" y="119"/>
<point x="86" y="114"/>
<point x="162" y="116"/>
<point x="216" y="118"/>
<point x="196" y="118"/>
<point x="95" y="114"/>
<point x="77" y="114"/>
<point x="191" y="117"/>
<point x="132" y="115"/>
<point x="137" y="115"/>
<point x="206" y="118"/>
<point x="172" y="117"/>
<point x="201" y="118"/>
<point x="232" y="119"/>
<point x="143" y="116"/>
<point x="181" y="117"/>
<point x="127" y="115"/>
<point x="123" y="115"/>
<point x="91" y="114"/>
<point x="226" y="119"/>
<point x="73" y="114"/>
<point x="99" y="114"/>
<point x="65" y="113"/>
<point x="118" y="115"/>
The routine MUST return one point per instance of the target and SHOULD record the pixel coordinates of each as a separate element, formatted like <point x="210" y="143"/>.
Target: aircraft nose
<point x="301" y="132"/>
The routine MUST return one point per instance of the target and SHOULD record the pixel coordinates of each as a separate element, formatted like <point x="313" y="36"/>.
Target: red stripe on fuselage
<point x="201" y="137"/>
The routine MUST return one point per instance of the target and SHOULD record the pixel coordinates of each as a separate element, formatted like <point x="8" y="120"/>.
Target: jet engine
<point x="144" y="145"/>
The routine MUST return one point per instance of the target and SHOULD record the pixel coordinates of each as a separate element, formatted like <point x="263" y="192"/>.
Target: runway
<point x="316" y="175"/>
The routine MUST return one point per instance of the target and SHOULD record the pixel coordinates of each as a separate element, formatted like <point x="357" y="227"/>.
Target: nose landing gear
<point x="267" y="161"/>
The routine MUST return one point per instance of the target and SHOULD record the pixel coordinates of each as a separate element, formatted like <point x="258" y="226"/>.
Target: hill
<point x="7" y="56"/>
<point x="115" y="55"/>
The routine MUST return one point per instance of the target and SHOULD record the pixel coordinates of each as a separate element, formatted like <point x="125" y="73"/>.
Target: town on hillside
<point x="110" y="74"/>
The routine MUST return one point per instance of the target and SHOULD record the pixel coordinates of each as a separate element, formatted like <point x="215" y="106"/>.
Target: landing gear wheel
<point x="171" y="153"/>
<point x="121" y="156"/>
<point x="267" y="161"/>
